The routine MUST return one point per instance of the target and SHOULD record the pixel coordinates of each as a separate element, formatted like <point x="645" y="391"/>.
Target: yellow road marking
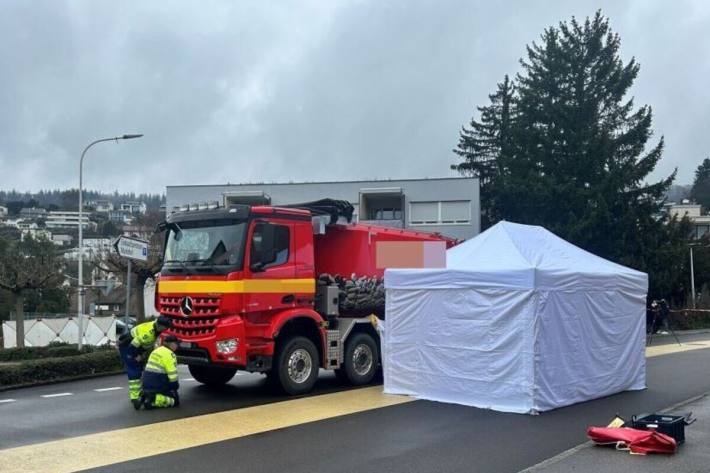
<point x="673" y="347"/>
<point x="106" y="448"/>
<point x="306" y="285"/>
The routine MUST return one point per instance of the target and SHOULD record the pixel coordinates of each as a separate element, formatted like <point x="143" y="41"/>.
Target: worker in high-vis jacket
<point x="135" y="347"/>
<point x="160" y="378"/>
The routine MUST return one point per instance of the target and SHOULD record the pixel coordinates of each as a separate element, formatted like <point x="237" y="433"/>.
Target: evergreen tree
<point x="577" y="160"/>
<point x="485" y="141"/>
<point x="700" y="192"/>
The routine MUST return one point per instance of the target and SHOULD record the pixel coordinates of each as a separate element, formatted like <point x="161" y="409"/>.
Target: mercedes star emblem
<point x="186" y="306"/>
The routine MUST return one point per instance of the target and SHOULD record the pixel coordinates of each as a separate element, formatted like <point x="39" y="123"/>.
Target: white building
<point x="93" y="248"/>
<point x="450" y="206"/>
<point x="701" y="223"/>
<point x="33" y="213"/>
<point x="119" y="216"/>
<point x="134" y="207"/>
<point x="101" y="206"/>
<point x="67" y="219"/>
<point x="62" y="240"/>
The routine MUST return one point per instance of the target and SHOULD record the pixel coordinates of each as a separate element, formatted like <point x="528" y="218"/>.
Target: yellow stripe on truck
<point x="238" y="287"/>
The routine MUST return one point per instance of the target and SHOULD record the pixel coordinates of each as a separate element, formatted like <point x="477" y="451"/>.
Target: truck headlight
<point x="227" y="346"/>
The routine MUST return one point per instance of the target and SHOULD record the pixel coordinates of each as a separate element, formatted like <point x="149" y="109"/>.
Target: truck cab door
<point x="271" y="264"/>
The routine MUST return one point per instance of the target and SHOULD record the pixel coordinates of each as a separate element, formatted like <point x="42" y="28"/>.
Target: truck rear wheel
<point x="212" y="375"/>
<point x="360" y="360"/>
<point x="296" y="368"/>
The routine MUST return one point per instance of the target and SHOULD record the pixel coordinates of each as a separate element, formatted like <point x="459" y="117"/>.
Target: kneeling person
<point x="134" y="347"/>
<point x="160" y="378"/>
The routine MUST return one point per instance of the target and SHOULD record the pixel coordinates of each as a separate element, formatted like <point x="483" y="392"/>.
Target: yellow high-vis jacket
<point x="161" y="371"/>
<point x="144" y="336"/>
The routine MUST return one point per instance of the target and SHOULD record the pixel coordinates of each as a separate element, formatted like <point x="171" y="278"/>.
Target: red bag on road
<point x="639" y="442"/>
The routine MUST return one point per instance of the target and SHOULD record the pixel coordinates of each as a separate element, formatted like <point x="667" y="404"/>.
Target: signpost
<point x="131" y="249"/>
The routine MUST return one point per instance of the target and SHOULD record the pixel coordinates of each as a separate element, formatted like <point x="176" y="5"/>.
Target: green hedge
<point x="53" y="350"/>
<point x="55" y="369"/>
<point x="690" y="319"/>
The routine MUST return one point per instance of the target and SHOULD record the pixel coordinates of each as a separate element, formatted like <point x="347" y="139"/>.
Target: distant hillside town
<point x="54" y="216"/>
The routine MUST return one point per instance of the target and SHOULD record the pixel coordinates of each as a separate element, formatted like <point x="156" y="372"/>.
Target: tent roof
<point x="515" y="246"/>
<point x="511" y="254"/>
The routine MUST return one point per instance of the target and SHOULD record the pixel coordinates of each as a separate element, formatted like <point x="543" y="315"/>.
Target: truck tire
<point x="211" y="375"/>
<point x="360" y="361"/>
<point x="296" y="368"/>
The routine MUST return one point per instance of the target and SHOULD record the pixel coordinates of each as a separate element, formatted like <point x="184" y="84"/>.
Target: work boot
<point x="137" y="403"/>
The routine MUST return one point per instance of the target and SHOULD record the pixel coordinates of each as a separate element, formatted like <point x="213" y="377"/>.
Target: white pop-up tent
<point x="519" y="321"/>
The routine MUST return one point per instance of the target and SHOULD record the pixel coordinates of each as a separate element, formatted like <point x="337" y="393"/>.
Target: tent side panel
<point x="590" y="344"/>
<point x="466" y="346"/>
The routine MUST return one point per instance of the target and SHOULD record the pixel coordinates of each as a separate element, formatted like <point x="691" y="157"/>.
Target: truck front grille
<point x="201" y="306"/>
<point x="193" y="326"/>
<point x="199" y="323"/>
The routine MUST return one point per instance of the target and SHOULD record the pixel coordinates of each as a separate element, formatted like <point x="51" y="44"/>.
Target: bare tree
<point x="26" y="265"/>
<point x="141" y="271"/>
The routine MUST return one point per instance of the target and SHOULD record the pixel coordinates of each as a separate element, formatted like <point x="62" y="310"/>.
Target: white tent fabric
<point x="519" y="321"/>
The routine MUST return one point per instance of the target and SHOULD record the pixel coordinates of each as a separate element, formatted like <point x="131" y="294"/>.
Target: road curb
<point x="60" y="380"/>
<point x="567" y="453"/>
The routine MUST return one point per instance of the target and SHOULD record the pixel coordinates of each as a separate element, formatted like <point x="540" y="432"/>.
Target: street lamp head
<point x="130" y="137"/>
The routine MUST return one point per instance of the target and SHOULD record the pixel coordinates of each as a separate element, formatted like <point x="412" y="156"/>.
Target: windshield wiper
<point x="180" y="262"/>
<point x="198" y="260"/>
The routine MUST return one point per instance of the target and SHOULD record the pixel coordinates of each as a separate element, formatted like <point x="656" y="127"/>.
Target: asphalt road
<point x="414" y="437"/>
<point x="427" y="436"/>
<point x="77" y="408"/>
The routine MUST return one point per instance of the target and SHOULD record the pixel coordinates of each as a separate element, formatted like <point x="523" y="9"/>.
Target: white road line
<point x="58" y="395"/>
<point x="188" y="379"/>
<point x="115" y="388"/>
<point x="6" y="400"/>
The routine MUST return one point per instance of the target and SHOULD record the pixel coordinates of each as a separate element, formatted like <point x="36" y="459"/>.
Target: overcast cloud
<point x="229" y="91"/>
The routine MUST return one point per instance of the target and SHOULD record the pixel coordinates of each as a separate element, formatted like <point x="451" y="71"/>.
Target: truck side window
<point x="269" y="244"/>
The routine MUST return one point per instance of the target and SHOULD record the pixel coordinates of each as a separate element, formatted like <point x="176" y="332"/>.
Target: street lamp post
<point x="80" y="285"/>
<point x="692" y="276"/>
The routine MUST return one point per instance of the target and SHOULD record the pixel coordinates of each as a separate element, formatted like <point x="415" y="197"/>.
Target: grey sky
<point x="309" y="90"/>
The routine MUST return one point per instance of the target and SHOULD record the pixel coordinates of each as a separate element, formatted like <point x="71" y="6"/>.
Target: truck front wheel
<point x="296" y="368"/>
<point x="212" y="375"/>
<point x="360" y="360"/>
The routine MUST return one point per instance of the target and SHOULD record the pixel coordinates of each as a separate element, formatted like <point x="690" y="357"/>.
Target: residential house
<point x="33" y="213"/>
<point x="119" y="216"/>
<point x="62" y="240"/>
<point x="134" y="207"/>
<point x="101" y="206"/>
<point x="68" y="219"/>
<point x="701" y="222"/>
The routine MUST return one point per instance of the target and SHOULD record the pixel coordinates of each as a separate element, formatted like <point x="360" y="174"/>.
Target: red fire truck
<point x="279" y="290"/>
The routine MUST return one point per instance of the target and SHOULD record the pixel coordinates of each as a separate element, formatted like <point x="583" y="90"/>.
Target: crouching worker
<point x="160" y="378"/>
<point x="134" y="347"/>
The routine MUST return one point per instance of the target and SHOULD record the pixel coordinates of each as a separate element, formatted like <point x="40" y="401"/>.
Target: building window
<point x="387" y="213"/>
<point x="424" y="213"/>
<point x="453" y="212"/>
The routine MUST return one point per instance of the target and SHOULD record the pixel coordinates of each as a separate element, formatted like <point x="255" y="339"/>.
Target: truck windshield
<point x="206" y="246"/>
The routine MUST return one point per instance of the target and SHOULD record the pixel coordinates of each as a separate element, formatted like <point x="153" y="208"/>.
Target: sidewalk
<point x="692" y="457"/>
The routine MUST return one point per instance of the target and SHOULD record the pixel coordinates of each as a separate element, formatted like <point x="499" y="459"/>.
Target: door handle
<point x="288" y="299"/>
